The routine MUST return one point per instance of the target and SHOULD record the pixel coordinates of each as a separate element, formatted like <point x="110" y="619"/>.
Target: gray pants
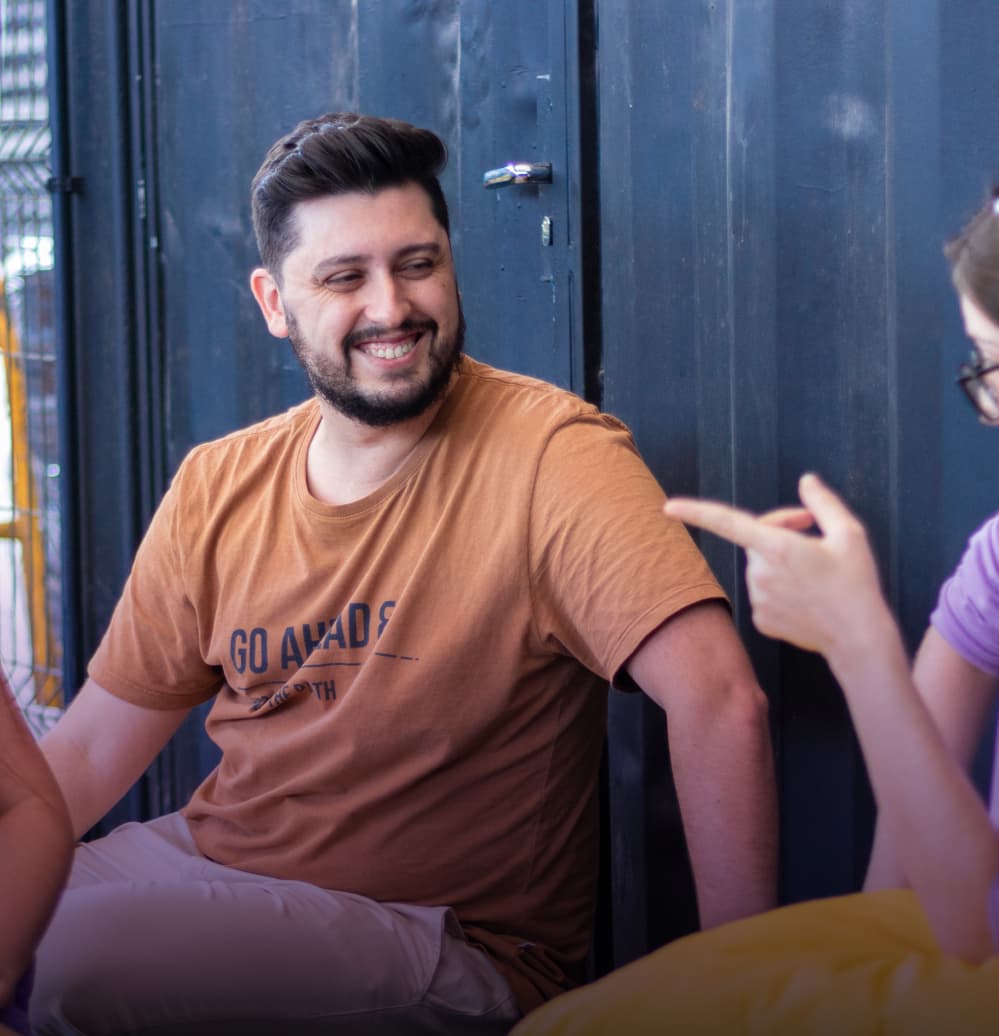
<point x="151" y="938"/>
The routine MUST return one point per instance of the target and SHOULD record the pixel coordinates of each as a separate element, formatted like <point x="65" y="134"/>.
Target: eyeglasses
<point x="974" y="379"/>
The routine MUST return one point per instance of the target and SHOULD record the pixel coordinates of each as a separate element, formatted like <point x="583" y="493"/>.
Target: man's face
<point x="369" y="300"/>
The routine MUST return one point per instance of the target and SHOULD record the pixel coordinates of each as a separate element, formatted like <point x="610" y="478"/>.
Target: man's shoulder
<point x="520" y="396"/>
<point x="258" y="438"/>
<point x="245" y="458"/>
<point x="523" y="409"/>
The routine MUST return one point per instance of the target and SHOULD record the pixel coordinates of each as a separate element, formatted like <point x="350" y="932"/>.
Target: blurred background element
<point x="30" y="468"/>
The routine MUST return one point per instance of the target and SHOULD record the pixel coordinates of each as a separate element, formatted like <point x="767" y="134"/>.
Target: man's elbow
<point x="736" y="706"/>
<point x="747" y="702"/>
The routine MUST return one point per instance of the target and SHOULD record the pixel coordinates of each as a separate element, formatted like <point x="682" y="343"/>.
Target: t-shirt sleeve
<point x="150" y="654"/>
<point x="967" y="611"/>
<point x="608" y="567"/>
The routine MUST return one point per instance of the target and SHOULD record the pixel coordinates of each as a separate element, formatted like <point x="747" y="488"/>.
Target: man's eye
<point x="343" y="280"/>
<point x="418" y="268"/>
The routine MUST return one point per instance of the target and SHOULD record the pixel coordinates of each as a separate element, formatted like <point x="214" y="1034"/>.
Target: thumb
<point x="828" y="510"/>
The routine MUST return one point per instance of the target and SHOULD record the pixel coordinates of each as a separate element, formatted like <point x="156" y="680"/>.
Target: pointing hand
<point x="817" y="592"/>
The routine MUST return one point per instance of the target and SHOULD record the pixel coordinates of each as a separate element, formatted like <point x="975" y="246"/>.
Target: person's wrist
<point x="865" y="631"/>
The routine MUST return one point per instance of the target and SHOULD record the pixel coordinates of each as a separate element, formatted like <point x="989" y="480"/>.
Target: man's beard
<point x="335" y="384"/>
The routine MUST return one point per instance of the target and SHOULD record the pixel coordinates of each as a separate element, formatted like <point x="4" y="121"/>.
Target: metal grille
<point x="30" y="579"/>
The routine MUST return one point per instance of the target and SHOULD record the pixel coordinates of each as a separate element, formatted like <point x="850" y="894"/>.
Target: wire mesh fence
<point x="30" y="577"/>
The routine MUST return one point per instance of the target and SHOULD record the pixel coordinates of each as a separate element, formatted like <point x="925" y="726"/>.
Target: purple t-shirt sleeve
<point x="967" y="611"/>
<point x="967" y="617"/>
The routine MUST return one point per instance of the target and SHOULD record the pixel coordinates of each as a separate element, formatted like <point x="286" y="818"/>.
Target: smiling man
<point x="399" y="288"/>
<point x="405" y="598"/>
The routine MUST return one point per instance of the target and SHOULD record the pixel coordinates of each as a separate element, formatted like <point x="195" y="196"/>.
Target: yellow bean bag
<point x="847" y="966"/>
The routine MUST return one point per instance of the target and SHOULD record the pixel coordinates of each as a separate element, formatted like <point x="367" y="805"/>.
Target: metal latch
<point x="514" y="173"/>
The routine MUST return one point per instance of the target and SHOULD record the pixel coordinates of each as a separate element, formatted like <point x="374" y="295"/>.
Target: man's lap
<point x="152" y="937"/>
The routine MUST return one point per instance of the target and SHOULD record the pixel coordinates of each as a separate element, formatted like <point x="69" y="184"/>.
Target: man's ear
<point x="268" y="295"/>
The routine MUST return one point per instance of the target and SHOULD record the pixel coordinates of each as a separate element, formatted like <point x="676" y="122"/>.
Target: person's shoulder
<point x="983" y="547"/>
<point x="241" y="459"/>
<point x="989" y="529"/>
<point x="485" y="377"/>
<point x="263" y="434"/>
<point x="519" y="397"/>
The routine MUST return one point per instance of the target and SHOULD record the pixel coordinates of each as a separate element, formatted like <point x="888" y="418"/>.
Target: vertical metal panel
<point x="65" y="368"/>
<point x="107" y="493"/>
<point x="831" y="155"/>
<point x="99" y="403"/>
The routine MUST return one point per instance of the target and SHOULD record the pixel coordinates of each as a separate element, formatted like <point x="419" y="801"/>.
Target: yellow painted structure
<point x="25" y="525"/>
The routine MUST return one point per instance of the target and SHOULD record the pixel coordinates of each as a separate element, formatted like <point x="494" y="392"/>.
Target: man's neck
<point x="348" y="460"/>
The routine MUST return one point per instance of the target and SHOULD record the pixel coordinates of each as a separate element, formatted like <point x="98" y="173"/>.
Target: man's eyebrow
<point x="433" y="247"/>
<point x="331" y="262"/>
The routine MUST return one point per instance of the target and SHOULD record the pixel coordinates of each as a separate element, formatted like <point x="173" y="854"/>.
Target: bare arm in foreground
<point x="959" y="697"/>
<point x="823" y="594"/>
<point x="35" y="844"/>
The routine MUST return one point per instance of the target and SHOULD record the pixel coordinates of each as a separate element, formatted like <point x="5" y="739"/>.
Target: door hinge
<point x="64" y="185"/>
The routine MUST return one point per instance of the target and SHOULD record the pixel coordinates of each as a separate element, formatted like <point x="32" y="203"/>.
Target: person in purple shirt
<point x="918" y="950"/>
<point x="36" y="844"/>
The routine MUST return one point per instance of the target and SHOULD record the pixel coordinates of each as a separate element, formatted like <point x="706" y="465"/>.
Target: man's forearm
<point x="83" y="791"/>
<point x="101" y="747"/>
<point x="724" y="774"/>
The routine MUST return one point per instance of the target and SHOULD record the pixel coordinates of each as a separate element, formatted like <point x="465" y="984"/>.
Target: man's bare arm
<point x="100" y="748"/>
<point x="696" y="668"/>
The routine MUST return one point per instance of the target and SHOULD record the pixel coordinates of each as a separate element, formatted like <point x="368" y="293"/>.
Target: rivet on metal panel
<point x="546" y="231"/>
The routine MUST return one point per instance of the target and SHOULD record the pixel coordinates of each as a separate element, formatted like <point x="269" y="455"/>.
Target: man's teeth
<point x="390" y="352"/>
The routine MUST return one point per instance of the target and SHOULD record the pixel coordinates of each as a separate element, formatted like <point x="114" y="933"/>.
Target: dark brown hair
<point x="974" y="258"/>
<point x="335" y="154"/>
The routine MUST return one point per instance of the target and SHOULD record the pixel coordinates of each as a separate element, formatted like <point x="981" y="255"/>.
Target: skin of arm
<point x="100" y="748"/>
<point x="35" y="845"/>
<point x="823" y="594"/>
<point x="695" y="667"/>
<point x="959" y="697"/>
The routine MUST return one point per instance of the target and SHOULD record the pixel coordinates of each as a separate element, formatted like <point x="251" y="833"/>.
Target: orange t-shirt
<point x="410" y="690"/>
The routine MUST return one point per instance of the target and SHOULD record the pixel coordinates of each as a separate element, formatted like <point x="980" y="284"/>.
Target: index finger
<point x="723" y="520"/>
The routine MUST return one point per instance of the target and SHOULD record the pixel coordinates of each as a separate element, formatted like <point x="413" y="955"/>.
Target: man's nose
<point x="386" y="300"/>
